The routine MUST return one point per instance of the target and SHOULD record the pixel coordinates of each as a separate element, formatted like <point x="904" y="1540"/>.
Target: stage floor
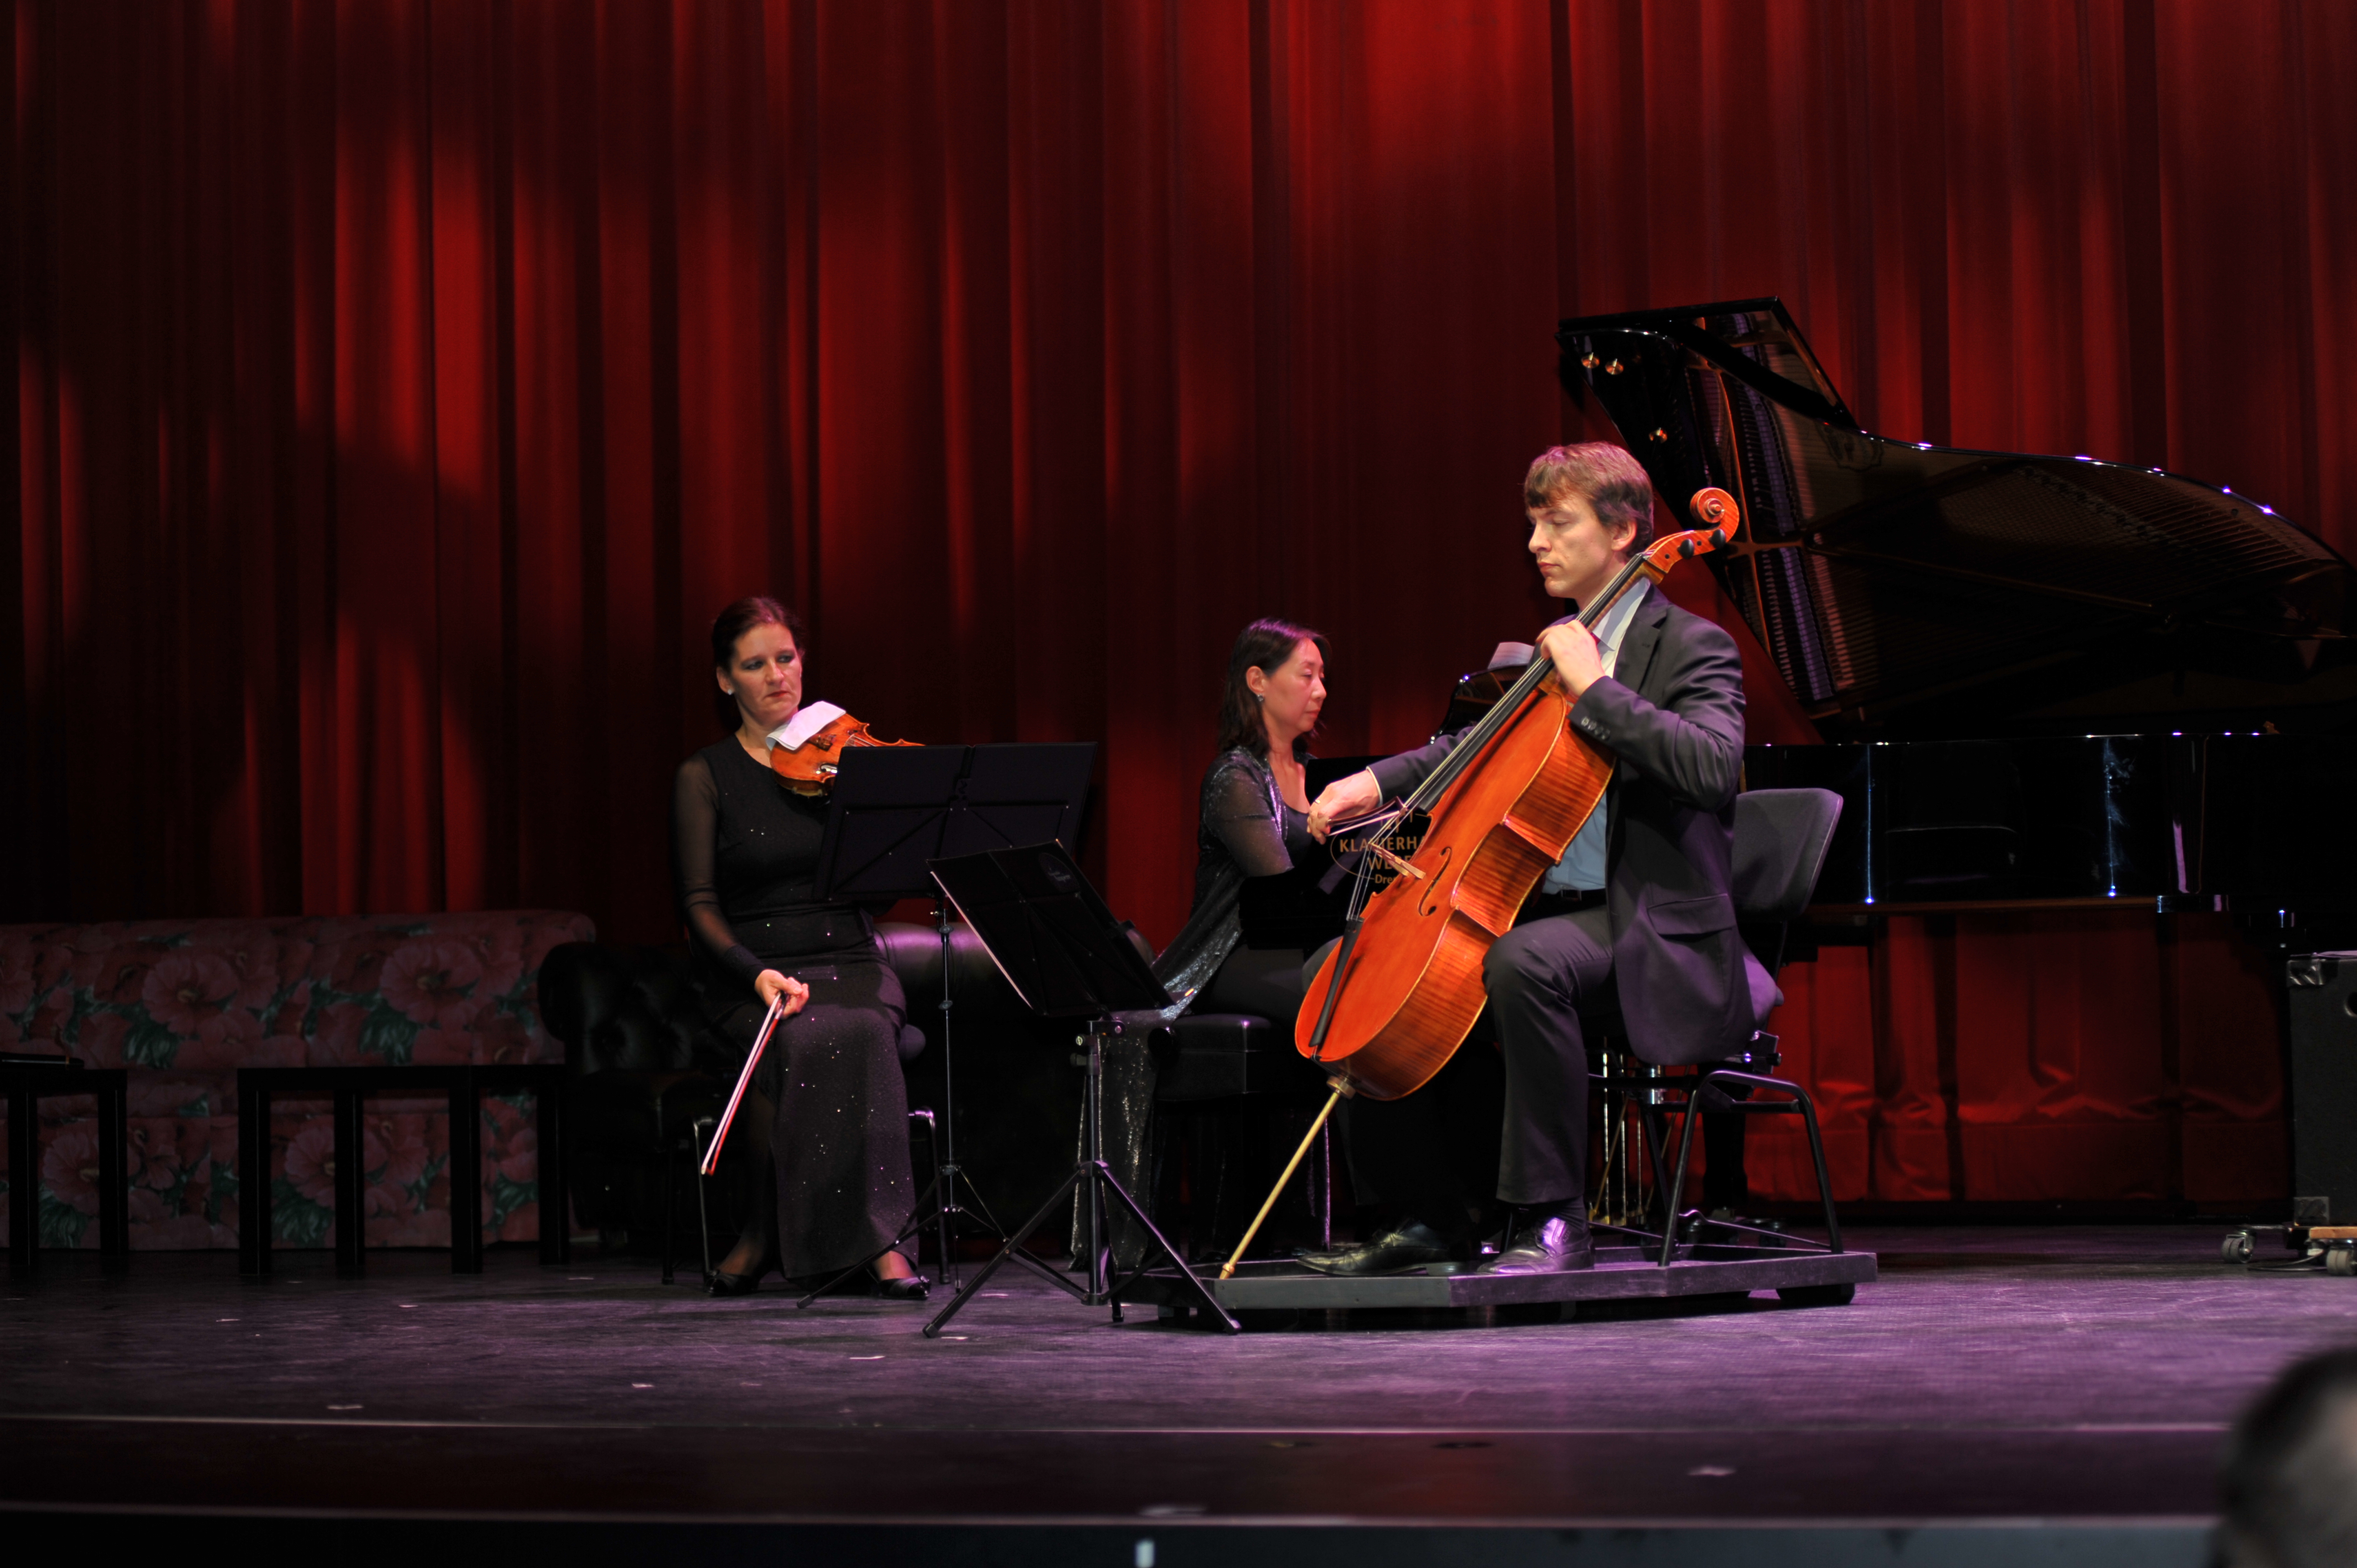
<point x="2079" y="1377"/>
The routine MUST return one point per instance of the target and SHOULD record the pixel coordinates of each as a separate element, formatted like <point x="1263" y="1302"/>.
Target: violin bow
<point x="752" y="1060"/>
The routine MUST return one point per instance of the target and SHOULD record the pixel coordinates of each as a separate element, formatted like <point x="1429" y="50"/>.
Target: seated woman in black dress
<point x="828" y="1109"/>
<point x="1254" y="821"/>
<point x="1418" y="1161"/>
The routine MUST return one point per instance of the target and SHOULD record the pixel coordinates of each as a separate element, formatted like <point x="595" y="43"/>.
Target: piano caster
<point x="2333" y="1247"/>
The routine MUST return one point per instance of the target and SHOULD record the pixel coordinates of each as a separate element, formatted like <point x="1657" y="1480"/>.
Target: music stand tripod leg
<point x="1157" y="1242"/>
<point x="1012" y="1252"/>
<point x="1101" y="1184"/>
<point x="953" y="1209"/>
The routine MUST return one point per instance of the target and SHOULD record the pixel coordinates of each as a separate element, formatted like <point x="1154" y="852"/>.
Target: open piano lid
<point x="1905" y="589"/>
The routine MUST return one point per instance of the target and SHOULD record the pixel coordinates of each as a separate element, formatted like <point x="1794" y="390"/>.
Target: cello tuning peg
<point x="1687" y="548"/>
<point x="1718" y="537"/>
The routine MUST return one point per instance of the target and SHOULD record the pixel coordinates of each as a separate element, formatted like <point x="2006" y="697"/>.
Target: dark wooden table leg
<point x="350" y="1110"/>
<point x="670" y="1191"/>
<point x="555" y="1203"/>
<point x="114" y="1167"/>
<point x="24" y="1173"/>
<point x="253" y="1177"/>
<point x="466" y="1175"/>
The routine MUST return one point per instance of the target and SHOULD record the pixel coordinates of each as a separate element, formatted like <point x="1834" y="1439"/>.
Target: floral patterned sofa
<point x="183" y="1003"/>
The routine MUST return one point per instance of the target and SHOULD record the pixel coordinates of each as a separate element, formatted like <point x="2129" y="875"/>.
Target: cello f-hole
<point x="1427" y="904"/>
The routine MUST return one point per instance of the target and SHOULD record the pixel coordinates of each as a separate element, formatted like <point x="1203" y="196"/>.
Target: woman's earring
<point x="1260" y="696"/>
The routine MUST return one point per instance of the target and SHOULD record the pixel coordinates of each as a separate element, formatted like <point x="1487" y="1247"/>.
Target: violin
<point x="810" y="767"/>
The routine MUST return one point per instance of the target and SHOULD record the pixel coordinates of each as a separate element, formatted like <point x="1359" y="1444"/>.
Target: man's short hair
<point x="1607" y="478"/>
<point x="2288" y="1485"/>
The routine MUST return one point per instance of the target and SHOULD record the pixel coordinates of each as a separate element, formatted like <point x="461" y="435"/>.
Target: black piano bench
<point x="1232" y="1099"/>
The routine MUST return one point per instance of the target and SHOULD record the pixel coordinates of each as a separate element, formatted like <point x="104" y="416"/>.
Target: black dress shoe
<point x="1554" y="1245"/>
<point x="1412" y="1246"/>
<point x="735" y="1284"/>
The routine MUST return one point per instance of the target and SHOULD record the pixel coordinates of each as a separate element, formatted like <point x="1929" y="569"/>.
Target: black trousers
<point x="1432" y="1156"/>
<point x="1542" y="976"/>
<point x="1523" y="1073"/>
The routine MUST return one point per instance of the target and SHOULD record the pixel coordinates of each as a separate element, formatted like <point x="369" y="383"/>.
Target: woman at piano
<point x="1254" y="821"/>
<point x="827" y="1115"/>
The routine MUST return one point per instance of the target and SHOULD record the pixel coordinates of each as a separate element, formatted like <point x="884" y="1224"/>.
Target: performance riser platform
<point x="1803" y="1276"/>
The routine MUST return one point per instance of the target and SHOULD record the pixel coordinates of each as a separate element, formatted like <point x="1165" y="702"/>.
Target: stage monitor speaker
<point x="2322" y="1010"/>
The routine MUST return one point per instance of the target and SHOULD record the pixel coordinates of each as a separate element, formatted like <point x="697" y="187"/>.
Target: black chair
<point x="649" y="1084"/>
<point x="1781" y="840"/>
<point x="645" y="1089"/>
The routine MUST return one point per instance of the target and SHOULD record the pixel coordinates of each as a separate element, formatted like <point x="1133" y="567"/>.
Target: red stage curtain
<point x="402" y="385"/>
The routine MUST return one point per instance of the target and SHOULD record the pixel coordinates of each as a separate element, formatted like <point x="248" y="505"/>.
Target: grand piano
<point x="2041" y="680"/>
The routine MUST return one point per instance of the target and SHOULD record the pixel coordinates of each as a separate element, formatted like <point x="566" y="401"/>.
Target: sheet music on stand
<point x="895" y="809"/>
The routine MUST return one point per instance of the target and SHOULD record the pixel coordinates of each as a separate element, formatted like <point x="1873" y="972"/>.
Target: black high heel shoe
<point x="740" y="1284"/>
<point x="908" y="1287"/>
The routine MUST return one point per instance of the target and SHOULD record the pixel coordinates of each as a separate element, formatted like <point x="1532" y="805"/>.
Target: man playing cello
<point x="1638" y="913"/>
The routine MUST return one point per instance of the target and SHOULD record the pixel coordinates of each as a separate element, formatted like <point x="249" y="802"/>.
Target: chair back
<point x="1781" y="840"/>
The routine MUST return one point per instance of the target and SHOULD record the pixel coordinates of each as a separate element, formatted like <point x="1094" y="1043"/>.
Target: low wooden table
<point x="24" y="1088"/>
<point x="350" y="1087"/>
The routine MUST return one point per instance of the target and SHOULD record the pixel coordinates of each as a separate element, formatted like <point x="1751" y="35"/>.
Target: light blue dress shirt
<point x="1581" y="869"/>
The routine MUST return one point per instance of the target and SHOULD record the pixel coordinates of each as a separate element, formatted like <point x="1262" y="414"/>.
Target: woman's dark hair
<point x="1265" y="645"/>
<point x="734" y="622"/>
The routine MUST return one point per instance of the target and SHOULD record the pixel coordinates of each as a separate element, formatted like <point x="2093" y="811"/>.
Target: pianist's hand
<point x="1577" y="663"/>
<point x="772" y="986"/>
<point x="1343" y="799"/>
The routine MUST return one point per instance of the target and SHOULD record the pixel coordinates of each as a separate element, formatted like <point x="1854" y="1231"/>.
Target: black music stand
<point x="892" y="810"/>
<point x="1067" y="957"/>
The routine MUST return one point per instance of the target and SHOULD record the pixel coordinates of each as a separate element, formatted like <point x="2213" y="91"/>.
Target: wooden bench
<point x="26" y="1085"/>
<point x="349" y="1087"/>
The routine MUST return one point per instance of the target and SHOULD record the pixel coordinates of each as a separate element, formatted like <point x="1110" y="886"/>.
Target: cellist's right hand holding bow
<point x="1343" y="799"/>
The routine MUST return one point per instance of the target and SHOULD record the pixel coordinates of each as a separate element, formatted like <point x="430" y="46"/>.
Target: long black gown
<point x="745" y="852"/>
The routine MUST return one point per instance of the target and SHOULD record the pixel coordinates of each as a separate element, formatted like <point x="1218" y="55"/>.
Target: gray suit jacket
<point x="1672" y="715"/>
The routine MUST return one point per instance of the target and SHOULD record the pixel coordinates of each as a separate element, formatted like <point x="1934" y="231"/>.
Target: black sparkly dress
<point x="745" y="852"/>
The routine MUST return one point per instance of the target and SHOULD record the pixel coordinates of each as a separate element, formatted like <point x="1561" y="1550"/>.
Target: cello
<point x="1395" y="998"/>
